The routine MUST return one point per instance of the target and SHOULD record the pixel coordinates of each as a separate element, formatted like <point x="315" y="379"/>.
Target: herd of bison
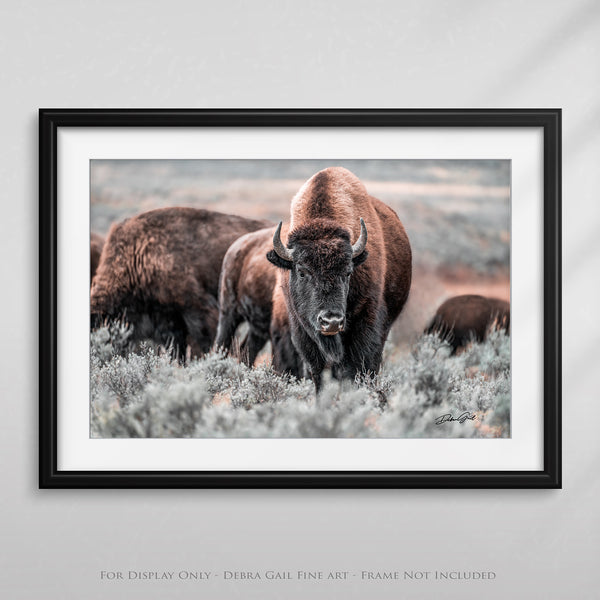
<point x="324" y="288"/>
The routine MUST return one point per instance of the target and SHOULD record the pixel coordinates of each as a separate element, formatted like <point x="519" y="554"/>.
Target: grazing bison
<point x="160" y="271"/>
<point x="341" y="294"/>
<point x="96" y="244"/>
<point x="246" y="295"/>
<point x="462" y="319"/>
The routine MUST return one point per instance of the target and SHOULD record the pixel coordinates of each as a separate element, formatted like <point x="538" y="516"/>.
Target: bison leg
<point x="228" y="323"/>
<point x="202" y="326"/>
<point x="285" y="357"/>
<point x="367" y="365"/>
<point x="178" y="345"/>
<point x="166" y="327"/>
<point x="171" y="332"/>
<point x="461" y="338"/>
<point x="311" y="354"/>
<point x="252" y="345"/>
<point x="317" y="377"/>
<point x="363" y="356"/>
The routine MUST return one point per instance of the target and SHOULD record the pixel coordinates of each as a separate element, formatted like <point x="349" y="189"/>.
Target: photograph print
<point x="300" y="298"/>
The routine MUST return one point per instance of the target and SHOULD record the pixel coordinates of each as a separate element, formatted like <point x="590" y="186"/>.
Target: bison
<point x="285" y="356"/>
<point x="462" y="319"/>
<point x="96" y="245"/>
<point x="341" y="294"/>
<point x="160" y="271"/>
<point x="246" y="291"/>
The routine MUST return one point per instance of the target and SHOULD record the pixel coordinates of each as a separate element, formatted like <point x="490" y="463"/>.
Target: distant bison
<point x="246" y="295"/>
<point x="341" y="294"/>
<point x="96" y="244"/>
<point x="160" y="271"/>
<point x="463" y="319"/>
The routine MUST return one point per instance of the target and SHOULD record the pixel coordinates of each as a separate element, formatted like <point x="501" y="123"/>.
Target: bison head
<point x="321" y="259"/>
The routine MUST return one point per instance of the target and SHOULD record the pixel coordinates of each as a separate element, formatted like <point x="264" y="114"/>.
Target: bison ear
<point x="360" y="259"/>
<point x="274" y="258"/>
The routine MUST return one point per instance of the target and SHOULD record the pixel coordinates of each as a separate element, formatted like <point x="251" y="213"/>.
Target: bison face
<point x="321" y="260"/>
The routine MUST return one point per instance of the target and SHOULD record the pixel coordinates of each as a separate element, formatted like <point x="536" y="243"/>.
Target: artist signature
<point x="466" y="416"/>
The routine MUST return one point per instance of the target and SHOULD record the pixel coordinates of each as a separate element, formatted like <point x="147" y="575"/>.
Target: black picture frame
<point x="50" y="120"/>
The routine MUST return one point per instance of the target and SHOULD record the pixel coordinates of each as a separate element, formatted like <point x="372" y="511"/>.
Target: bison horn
<point x="359" y="247"/>
<point x="278" y="246"/>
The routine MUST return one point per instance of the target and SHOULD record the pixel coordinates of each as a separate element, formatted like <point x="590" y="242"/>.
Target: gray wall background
<point x="299" y="54"/>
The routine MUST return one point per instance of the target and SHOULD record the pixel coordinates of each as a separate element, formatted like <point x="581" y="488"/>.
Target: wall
<point x="303" y="54"/>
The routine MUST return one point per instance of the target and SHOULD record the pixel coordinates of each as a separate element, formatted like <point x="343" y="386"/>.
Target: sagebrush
<point x="144" y="393"/>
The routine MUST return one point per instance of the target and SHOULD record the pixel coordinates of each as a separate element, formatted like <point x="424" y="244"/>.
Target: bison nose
<point x="330" y="322"/>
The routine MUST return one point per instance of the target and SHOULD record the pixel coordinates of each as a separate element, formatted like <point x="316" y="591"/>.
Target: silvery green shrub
<point x="147" y="394"/>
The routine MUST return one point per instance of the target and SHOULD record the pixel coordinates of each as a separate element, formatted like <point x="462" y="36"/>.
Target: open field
<point x="455" y="212"/>
<point x="457" y="216"/>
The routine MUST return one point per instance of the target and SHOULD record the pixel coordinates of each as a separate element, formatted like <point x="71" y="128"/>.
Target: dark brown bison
<point x="160" y="272"/>
<point x="341" y="293"/>
<point x="285" y="356"/>
<point x="96" y="244"/>
<point x="463" y="319"/>
<point x="246" y="295"/>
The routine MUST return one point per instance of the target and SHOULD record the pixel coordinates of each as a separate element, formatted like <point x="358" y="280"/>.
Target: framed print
<point x="300" y="298"/>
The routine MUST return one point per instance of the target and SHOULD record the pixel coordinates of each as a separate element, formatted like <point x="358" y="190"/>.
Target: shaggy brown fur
<point x="325" y="222"/>
<point x="285" y="356"/>
<point x="245" y="295"/>
<point x="160" y="271"/>
<point x="462" y="319"/>
<point x="96" y="245"/>
<point x="245" y="290"/>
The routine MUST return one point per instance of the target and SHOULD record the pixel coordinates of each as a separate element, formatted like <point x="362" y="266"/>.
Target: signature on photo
<point x="466" y="416"/>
